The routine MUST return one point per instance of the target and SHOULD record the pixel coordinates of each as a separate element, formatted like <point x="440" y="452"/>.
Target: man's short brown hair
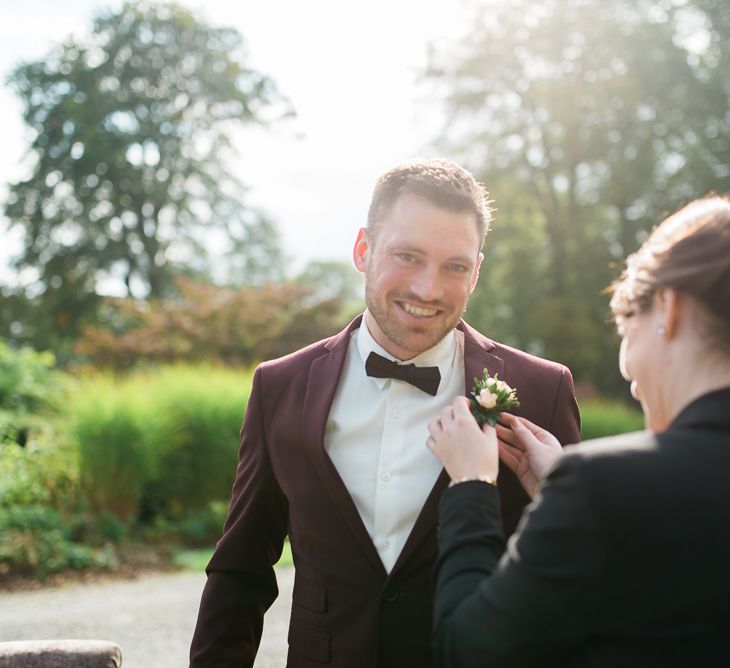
<point x="442" y="182"/>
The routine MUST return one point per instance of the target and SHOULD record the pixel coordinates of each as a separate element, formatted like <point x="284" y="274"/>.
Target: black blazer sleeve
<point x="530" y="604"/>
<point x="241" y="582"/>
<point x="550" y="402"/>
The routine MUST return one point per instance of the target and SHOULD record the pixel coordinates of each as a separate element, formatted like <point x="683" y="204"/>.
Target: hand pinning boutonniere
<point x="489" y="397"/>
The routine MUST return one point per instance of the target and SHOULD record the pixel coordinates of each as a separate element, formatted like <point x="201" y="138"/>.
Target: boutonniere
<point x="489" y="397"/>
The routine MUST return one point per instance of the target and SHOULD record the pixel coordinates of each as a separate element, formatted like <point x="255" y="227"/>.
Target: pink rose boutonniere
<point x="489" y="397"/>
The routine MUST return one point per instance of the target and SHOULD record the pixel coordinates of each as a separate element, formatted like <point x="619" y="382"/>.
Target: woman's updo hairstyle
<point x="690" y="252"/>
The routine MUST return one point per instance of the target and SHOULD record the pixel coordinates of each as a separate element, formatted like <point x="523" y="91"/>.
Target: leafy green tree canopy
<point x="588" y="120"/>
<point x="130" y="136"/>
<point x="588" y="102"/>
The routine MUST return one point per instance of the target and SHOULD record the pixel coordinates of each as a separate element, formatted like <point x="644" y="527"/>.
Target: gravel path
<point x="151" y="618"/>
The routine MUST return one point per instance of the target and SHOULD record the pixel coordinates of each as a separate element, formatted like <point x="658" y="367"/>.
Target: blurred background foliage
<point x="147" y="456"/>
<point x="29" y="387"/>
<point x="237" y="326"/>
<point x="588" y="120"/>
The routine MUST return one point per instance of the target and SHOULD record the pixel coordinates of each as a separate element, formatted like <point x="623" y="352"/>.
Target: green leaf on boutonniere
<point x="489" y="397"/>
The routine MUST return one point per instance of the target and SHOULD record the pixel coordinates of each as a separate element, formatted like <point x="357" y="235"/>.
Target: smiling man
<point x="333" y="444"/>
<point x="421" y="263"/>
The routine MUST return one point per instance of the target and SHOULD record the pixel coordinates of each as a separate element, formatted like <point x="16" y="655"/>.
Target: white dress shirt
<point x="376" y="437"/>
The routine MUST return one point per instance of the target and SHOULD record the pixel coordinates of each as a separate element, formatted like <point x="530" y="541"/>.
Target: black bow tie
<point x="425" y="378"/>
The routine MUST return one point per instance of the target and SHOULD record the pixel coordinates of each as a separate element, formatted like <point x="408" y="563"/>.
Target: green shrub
<point x="195" y="528"/>
<point x="44" y="472"/>
<point x="29" y="389"/>
<point x="21" y="477"/>
<point x="114" y="440"/>
<point x="198" y="465"/>
<point x="159" y="442"/>
<point x="35" y="540"/>
<point x="39" y="482"/>
<point x="607" y="418"/>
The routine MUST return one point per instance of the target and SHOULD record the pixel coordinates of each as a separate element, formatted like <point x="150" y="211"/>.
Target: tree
<point x="588" y="120"/>
<point x="334" y="279"/>
<point x="129" y="177"/>
<point x="234" y="326"/>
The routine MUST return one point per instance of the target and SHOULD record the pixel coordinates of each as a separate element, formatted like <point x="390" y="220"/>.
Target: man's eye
<point x="460" y="268"/>
<point x="406" y="257"/>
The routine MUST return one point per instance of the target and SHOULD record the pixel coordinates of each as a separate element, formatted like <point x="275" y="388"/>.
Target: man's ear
<point x="360" y="251"/>
<point x="475" y="275"/>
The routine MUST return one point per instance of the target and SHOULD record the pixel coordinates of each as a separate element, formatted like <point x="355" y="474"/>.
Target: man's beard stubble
<point x="400" y="335"/>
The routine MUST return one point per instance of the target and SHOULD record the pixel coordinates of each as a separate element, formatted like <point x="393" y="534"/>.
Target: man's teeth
<point x="418" y="311"/>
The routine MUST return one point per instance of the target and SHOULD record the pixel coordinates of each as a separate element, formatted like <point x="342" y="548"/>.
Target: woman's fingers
<point x="447" y="416"/>
<point x="509" y="457"/>
<point x="531" y="429"/>
<point x="461" y="407"/>
<point x="506" y="435"/>
<point x="514" y="421"/>
<point x="528" y="436"/>
<point x="517" y="424"/>
<point x="511" y="450"/>
<point x="434" y="428"/>
<point x="454" y="421"/>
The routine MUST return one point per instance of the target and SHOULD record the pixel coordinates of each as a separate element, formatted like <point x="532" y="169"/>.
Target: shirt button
<point x="396" y="414"/>
<point x="385" y="477"/>
<point x="383" y="544"/>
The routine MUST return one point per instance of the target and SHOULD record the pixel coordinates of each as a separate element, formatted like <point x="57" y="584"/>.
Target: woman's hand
<point x="465" y="450"/>
<point x="528" y="450"/>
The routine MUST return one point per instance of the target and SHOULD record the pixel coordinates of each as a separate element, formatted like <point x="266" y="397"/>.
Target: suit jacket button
<point x="391" y="594"/>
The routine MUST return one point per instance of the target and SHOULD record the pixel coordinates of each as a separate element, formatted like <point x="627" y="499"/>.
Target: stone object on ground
<point x="60" y="654"/>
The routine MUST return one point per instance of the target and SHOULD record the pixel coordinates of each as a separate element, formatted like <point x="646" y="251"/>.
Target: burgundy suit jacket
<point x="347" y="612"/>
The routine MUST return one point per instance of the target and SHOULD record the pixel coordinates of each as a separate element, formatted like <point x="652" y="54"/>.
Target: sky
<point x="352" y="71"/>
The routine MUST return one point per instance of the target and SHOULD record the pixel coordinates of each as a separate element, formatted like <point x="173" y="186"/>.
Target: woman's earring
<point x="661" y="330"/>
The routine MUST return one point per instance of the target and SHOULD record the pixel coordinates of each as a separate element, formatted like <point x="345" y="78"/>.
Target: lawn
<point x="196" y="560"/>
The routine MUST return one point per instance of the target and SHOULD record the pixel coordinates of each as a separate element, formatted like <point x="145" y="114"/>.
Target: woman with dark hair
<point x="623" y="557"/>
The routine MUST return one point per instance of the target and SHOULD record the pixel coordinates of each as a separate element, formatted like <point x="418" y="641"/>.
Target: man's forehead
<point x="417" y="240"/>
<point x="413" y="212"/>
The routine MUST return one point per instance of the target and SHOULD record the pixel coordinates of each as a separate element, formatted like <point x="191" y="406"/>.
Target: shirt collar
<point x="442" y="355"/>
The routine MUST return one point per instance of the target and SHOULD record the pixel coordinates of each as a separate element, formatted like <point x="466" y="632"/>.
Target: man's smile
<point x="418" y="311"/>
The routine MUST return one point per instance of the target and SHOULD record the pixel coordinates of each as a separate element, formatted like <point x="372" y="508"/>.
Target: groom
<point x="333" y="444"/>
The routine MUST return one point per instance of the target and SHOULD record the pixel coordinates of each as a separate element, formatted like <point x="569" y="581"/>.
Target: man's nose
<point x="427" y="285"/>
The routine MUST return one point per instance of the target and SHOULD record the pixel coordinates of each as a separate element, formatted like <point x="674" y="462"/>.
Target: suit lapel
<point x="477" y="357"/>
<point x="324" y="375"/>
